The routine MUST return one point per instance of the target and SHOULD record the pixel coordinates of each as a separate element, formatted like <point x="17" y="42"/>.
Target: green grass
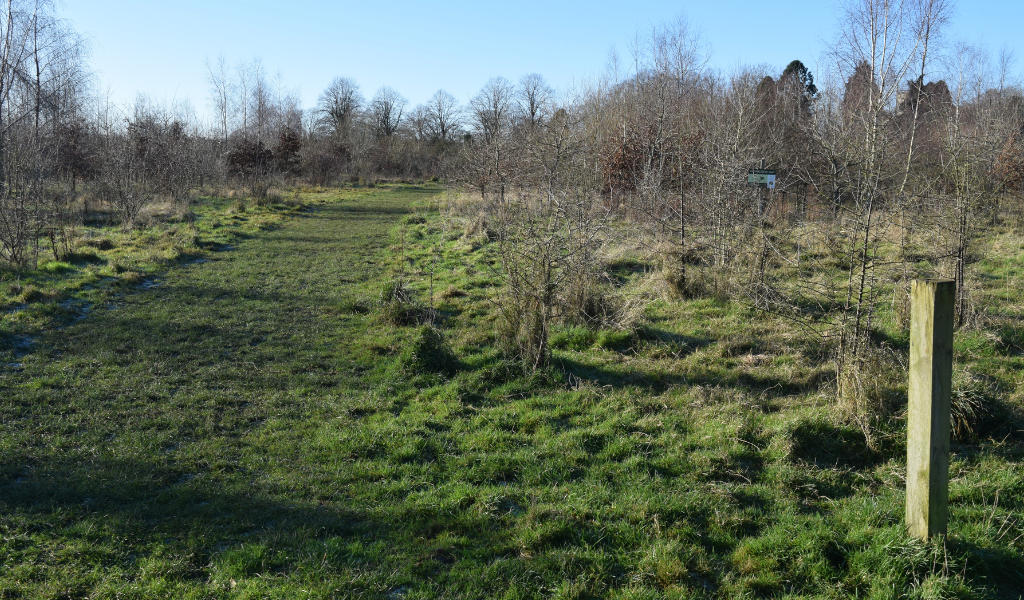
<point x="262" y="425"/>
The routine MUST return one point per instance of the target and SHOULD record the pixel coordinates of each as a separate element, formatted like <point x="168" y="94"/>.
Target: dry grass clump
<point x="458" y="203"/>
<point x="239" y="206"/>
<point x="452" y="292"/>
<point x="160" y="210"/>
<point x="871" y="389"/>
<point x="976" y="411"/>
<point x="596" y="304"/>
<point x="478" y="227"/>
<point x="396" y="305"/>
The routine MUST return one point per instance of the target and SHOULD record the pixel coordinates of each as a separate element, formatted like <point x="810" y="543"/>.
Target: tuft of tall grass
<point x="975" y="410"/>
<point x="397" y="306"/>
<point x="429" y="352"/>
<point x="871" y="388"/>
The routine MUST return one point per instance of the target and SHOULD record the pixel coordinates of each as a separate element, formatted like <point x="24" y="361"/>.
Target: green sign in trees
<point x="762" y="177"/>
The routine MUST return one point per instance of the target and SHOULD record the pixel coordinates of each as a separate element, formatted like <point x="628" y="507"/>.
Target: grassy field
<point x="241" y="419"/>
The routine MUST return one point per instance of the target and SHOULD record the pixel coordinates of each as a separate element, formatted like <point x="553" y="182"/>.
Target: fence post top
<point x="947" y="285"/>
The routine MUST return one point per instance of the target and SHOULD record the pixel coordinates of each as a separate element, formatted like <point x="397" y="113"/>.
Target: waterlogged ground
<point x="246" y="423"/>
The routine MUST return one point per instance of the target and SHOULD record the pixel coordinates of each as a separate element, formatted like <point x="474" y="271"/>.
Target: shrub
<point x="251" y="162"/>
<point x="248" y="159"/>
<point x="286" y="153"/>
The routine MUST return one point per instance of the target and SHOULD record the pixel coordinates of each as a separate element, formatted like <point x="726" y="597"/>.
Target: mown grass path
<point x="140" y="441"/>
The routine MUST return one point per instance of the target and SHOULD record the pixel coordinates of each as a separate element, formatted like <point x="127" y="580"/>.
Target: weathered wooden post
<point x="931" y="376"/>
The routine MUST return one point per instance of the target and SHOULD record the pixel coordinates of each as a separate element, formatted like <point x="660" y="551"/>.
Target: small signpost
<point x="931" y="375"/>
<point x="761" y="177"/>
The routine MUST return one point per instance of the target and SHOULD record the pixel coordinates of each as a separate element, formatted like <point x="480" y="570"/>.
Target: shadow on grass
<point x="828" y="446"/>
<point x="159" y="509"/>
<point x="677" y="344"/>
<point x="767" y="386"/>
<point x="991" y="564"/>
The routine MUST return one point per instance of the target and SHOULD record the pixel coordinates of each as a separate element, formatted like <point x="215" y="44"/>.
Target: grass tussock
<point x="397" y="305"/>
<point x="429" y="353"/>
<point x="977" y="412"/>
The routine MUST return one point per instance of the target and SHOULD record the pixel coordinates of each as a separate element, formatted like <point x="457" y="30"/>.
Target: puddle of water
<point x="79" y="308"/>
<point x="197" y="261"/>
<point x="149" y="284"/>
<point x="23" y="345"/>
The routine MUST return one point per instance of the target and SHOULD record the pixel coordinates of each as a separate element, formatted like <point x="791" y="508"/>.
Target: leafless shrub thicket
<point x="63" y="154"/>
<point x="41" y="80"/>
<point x="531" y="161"/>
<point x="887" y="167"/>
<point x="154" y="152"/>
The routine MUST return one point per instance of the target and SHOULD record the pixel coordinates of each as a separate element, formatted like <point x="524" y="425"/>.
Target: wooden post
<point x="931" y="375"/>
<point x="760" y="201"/>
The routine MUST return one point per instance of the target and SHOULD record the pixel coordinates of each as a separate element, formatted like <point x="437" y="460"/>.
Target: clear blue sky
<point x="158" y="47"/>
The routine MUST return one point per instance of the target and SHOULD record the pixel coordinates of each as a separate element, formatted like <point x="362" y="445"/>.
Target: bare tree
<point x="534" y="96"/>
<point x="286" y="114"/>
<point x="649" y="157"/>
<point x="261" y="104"/>
<point x="42" y="83"/>
<point x="930" y="17"/>
<point x="490" y="159"/>
<point x="549" y="229"/>
<point x="492" y="109"/>
<point x="386" y="110"/>
<point x="242" y="88"/>
<point x="125" y="179"/>
<point x="338" y="106"/>
<point x="444" y="117"/>
<point x="877" y="47"/>
<point x="218" y="78"/>
<point x="418" y="122"/>
<point x="976" y="130"/>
